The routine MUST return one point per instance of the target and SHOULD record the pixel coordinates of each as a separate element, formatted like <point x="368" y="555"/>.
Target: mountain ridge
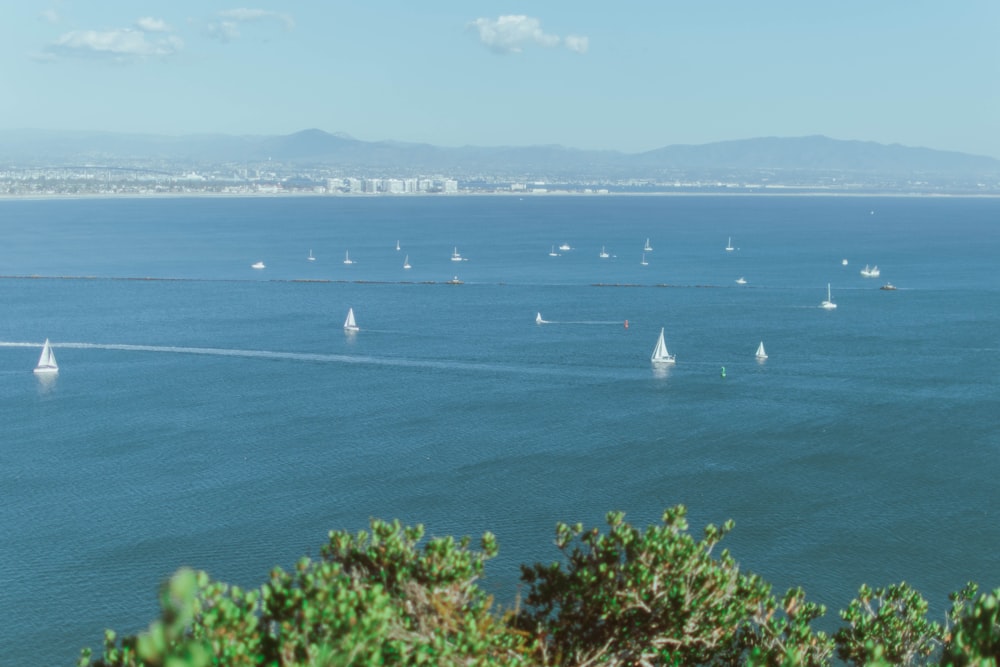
<point x="313" y="147"/>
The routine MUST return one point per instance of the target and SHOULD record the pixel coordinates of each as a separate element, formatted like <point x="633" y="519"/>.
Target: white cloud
<point x="124" y="44"/>
<point x="511" y="33"/>
<point x="577" y="43"/>
<point x="244" y="15"/>
<point x="149" y="24"/>
<point x="227" y="29"/>
<point x="224" y="31"/>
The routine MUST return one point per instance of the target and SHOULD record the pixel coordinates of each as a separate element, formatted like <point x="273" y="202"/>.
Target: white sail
<point x="47" y="360"/>
<point x="643" y="261"/>
<point x="406" y="262"/>
<point x="538" y="319"/>
<point x="310" y="257"/>
<point x="347" y="257"/>
<point x="455" y="256"/>
<point x="647" y="247"/>
<point x="828" y="304"/>
<point x="349" y="323"/>
<point x="761" y="354"/>
<point x="729" y="245"/>
<point x="660" y="354"/>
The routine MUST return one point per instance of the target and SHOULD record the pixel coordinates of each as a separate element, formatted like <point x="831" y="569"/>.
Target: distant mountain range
<point x="316" y="148"/>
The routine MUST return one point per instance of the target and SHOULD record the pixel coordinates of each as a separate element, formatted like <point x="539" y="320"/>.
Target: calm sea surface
<point x="219" y="417"/>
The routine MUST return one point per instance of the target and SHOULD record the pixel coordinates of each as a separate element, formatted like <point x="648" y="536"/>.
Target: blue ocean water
<point x="211" y="415"/>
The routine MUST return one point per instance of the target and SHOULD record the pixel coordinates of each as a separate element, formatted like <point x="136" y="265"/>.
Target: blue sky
<point x="626" y="75"/>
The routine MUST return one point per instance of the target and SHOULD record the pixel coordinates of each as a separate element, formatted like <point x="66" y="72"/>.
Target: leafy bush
<point x="624" y="596"/>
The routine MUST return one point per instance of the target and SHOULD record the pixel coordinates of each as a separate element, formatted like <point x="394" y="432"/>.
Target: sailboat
<point x="257" y="265"/>
<point x="643" y="261"/>
<point x="647" y="247"/>
<point x="347" y="257"/>
<point x="553" y="253"/>
<point x="538" y="319"/>
<point x="660" y="354"/>
<point x="406" y="262"/>
<point x="828" y="304"/>
<point x="729" y="245"/>
<point x="349" y="323"/>
<point x="310" y="257"/>
<point x="397" y="245"/>
<point x="761" y="354"/>
<point x="47" y="362"/>
<point x="604" y="253"/>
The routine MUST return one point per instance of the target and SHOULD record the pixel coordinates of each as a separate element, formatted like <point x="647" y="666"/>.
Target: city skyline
<point x="628" y="78"/>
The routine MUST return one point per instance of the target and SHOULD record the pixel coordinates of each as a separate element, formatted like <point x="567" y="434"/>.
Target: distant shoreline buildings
<point x="276" y="180"/>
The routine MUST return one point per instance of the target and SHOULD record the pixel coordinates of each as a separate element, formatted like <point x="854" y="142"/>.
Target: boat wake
<point x="316" y="357"/>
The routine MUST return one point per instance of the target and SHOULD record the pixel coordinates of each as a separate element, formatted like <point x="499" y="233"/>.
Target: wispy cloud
<point x="227" y="28"/>
<point x="149" y="24"/>
<point x="577" y="43"/>
<point x="511" y="33"/>
<point x="124" y="44"/>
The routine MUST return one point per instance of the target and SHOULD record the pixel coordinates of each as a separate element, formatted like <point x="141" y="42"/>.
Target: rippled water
<point x="219" y="416"/>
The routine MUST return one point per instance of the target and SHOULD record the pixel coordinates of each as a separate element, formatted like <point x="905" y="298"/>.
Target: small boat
<point x="643" y="261"/>
<point x="761" y="354"/>
<point x="455" y="281"/>
<point x="888" y="287"/>
<point x="828" y="304"/>
<point x="843" y="262"/>
<point x="347" y="257"/>
<point x="47" y="361"/>
<point x="564" y="247"/>
<point x="872" y="272"/>
<point x="604" y="253"/>
<point x="741" y="281"/>
<point x="538" y="319"/>
<point x="729" y="245"/>
<point x="455" y="257"/>
<point x="310" y="257"/>
<point x="647" y="247"/>
<point x="349" y="323"/>
<point x="406" y="262"/>
<point x="660" y="354"/>
<point x="257" y="265"/>
<point x="553" y="253"/>
<point x="397" y="245"/>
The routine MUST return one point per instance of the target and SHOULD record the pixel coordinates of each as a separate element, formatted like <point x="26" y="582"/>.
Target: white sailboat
<point x="565" y="246"/>
<point x="729" y="245"/>
<point x="347" y="257"/>
<point x="828" y="304"/>
<point x="47" y="362"/>
<point x="553" y="253"/>
<point x="257" y="265"/>
<point x="397" y="245"/>
<point x="761" y="354"/>
<point x="647" y="247"/>
<point x="310" y="257"/>
<point x="741" y="281"/>
<point x="643" y="261"/>
<point x="349" y="323"/>
<point x="660" y="354"/>
<point x="538" y="319"/>
<point x="604" y="253"/>
<point x="455" y="256"/>
<point x="406" y="262"/>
